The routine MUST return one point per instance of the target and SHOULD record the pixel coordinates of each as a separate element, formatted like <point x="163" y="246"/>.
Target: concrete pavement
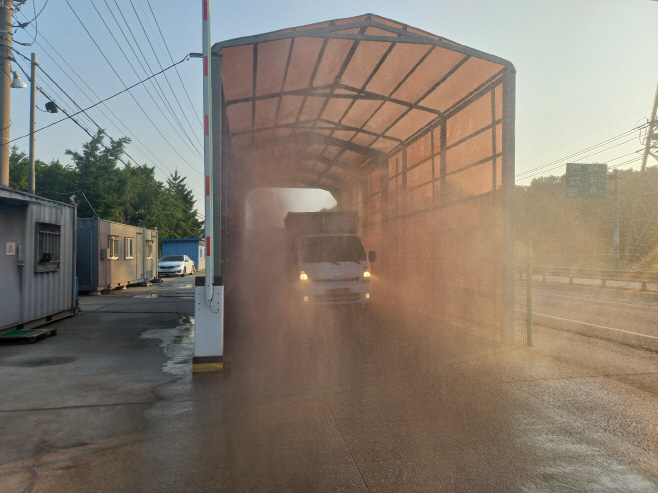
<point x="331" y="401"/>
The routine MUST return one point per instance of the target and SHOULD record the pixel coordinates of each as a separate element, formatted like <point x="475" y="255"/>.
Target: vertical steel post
<point x="615" y="234"/>
<point x="218" y="198"/>
<point x="508" y="189"/>
<point x="207" y="149"/>
<point x="33" y="97"/>
<point x="6" y="16"/>
<point x="528" y="274"/>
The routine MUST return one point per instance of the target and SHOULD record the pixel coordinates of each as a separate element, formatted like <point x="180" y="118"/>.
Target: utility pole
<point x="6" y="17"/>
<point x="33" y="97"/>
<point x="639" y="223"/>
<point x="652" y="134"/>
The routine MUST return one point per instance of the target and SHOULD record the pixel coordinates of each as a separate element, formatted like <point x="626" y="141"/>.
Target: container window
<point x="48" y="246"/>
<point x="149" y="249"/>
<point x="129" y="245"/>
<point x="113" y="246"/>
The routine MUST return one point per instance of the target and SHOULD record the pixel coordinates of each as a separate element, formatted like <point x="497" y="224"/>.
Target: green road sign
<point x="586" y="181"/>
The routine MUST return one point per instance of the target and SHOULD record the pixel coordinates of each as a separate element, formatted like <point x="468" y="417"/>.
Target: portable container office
<point x="112" y="255"/>
<point x="192" y="247"/>
<point x="37" y="264"/>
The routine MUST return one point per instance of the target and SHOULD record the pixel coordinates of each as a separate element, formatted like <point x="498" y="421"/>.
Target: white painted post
<point x="208" y="297"/>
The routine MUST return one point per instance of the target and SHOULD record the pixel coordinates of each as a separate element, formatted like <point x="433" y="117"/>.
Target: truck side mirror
<point x="372" y="256"/>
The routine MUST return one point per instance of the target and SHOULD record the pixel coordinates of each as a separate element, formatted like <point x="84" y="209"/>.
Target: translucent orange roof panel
<point x="352" y="89"/>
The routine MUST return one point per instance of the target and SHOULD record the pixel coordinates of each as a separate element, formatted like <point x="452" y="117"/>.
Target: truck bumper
<point x="335" y="294"/>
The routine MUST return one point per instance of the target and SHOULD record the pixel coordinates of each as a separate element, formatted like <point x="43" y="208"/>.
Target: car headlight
<point x="303" y="276"/>
<point x="366" y="275"/>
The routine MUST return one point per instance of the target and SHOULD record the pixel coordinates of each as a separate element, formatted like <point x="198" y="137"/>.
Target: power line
<point x="133" y="97"/>
<point x="581" y="137"/>
<point x="177" y="72"/>
<point x="607" y="141"/>
<point x="157" y="58"/>
<point x="135" y="138"/>
<point x="86" y="130"/>
<point x="154" y="83"/>
<point x="160" y="65"/>
<point x="23" y="25"/>
<point x="127" y="89"/>
<point x="584" y="157"/>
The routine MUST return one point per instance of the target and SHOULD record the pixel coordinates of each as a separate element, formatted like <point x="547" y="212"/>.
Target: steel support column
<point x="508" y="184"/>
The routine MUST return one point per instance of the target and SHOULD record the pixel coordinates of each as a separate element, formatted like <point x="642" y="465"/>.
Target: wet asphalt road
<point x="628" y="310"/>
<point x="324" y="401"/>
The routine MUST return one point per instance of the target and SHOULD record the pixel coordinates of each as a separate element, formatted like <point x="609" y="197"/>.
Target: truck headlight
<point x="303" y="276"/>
<point x="366" y="275"/>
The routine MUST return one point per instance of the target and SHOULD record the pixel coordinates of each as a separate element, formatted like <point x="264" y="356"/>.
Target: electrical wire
<point x="127" y="89"/>
<point x="133" y="97"/>
<point x="23" y="25"/>
<point x="583" y="157"/>
<point x="36" y="32"/>
<point x="177" y="72"/>
<point x="154" y="36"/>
<point x="86" y="130"/>
<point x="135" y="140"/>
<point x="155" y="83"/>
<point x="581" y="137"/>
<point x="607" y="141"/>
<point x="160" y="65"/>
<point x="60" y="88"/>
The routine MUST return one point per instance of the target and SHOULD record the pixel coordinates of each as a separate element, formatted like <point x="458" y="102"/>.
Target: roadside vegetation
<point x="128" y="194"/>
<point x="568" y="232"/>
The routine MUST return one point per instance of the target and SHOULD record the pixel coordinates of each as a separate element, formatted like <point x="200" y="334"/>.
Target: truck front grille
<point x="344" y="279"/>
<point x="329" y="298"/>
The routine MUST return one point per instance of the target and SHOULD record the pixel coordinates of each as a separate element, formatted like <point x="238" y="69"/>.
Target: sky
<point x="586" y="72"/>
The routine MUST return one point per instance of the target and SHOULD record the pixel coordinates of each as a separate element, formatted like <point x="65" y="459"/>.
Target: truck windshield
<point x="332" y="249"/>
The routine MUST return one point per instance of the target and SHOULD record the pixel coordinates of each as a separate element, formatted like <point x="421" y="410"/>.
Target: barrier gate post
<point x="209" y="290"/>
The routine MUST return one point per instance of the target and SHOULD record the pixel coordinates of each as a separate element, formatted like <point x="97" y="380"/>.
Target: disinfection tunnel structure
<point x="413" y="131"/>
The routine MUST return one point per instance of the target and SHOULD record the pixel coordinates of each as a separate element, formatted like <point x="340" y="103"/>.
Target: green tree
<point x="99" y="176"/>
<point x="128" y="194"/>
<point x="179" y="206"/>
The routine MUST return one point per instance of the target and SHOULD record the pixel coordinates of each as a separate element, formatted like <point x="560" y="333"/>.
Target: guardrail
<point x="642" y="277"/>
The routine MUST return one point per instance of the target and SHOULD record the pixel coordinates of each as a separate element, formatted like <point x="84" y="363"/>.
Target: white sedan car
<point x="175" y="265"/>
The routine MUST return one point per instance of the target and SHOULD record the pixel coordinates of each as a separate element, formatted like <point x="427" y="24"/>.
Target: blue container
<point x="192" y="247"/>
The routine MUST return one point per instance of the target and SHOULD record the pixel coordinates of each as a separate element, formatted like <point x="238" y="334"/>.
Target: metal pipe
<point x="33" y="97"/>
<point x="615" y="235"/>
<point x="218" y="198"/>
<point x="508" y="188"/>
<point x="207" y="151"/>
<point x="529" y="293"/>
<point x="6" y="14"/>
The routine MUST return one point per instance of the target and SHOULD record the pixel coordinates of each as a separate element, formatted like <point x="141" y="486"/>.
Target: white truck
<point x="326" y="261"/>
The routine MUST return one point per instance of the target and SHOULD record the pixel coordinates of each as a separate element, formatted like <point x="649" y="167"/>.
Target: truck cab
<point x="333" y="269"/>
<point x="327" y="263"/>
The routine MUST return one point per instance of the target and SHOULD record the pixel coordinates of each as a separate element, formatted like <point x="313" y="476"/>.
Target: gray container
<point x="113" y="255"/>
<point x="37" y="260"/>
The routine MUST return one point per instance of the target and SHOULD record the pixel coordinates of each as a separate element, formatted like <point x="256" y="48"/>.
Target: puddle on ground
<point x="178" y="345"/>
<point x="36" y="362"/>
